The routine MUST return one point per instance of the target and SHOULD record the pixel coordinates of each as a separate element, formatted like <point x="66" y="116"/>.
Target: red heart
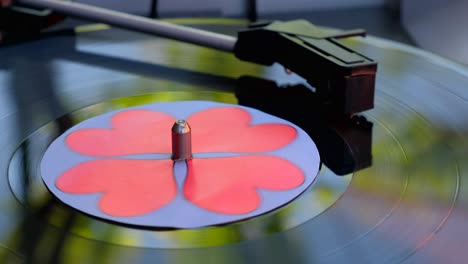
<point x="228" y="129"/>
<point x="229" y="185"/>
<point x="132" y="132"/>
<point x="128" y="187"/>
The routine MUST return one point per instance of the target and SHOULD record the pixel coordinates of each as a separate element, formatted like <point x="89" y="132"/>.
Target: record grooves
<point x="391" y="186"/>
<point x="37" y="143"/>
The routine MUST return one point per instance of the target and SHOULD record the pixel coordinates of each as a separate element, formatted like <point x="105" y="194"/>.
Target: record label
<point x="118" y="167"/>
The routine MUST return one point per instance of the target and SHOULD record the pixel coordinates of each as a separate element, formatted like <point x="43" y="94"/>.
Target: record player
<point x="287" y="145"/>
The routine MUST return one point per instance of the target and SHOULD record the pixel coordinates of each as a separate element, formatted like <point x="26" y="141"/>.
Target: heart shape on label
<point x="231" y="185"/>
<point x="127" y="187"/>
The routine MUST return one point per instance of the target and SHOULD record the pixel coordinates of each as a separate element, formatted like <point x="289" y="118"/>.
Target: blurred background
<point x="438" y="26"/>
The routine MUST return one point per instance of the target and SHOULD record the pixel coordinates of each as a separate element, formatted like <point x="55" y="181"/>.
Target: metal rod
<point x="137" y="23"/>
<point x="181" y="141"/>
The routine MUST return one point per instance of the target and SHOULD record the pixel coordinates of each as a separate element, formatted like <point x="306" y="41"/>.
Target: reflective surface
<point x="409" y="205"/>
<point x="29" y="190"/>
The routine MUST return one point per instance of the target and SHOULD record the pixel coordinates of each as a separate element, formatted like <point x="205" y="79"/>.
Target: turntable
<point x="122" y="147"/>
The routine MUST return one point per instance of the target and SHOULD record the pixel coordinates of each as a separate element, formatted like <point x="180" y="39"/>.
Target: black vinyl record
<point x="391" y="186"/>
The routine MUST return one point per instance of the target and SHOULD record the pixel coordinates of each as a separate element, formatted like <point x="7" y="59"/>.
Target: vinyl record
<point x="391" y="185"/>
